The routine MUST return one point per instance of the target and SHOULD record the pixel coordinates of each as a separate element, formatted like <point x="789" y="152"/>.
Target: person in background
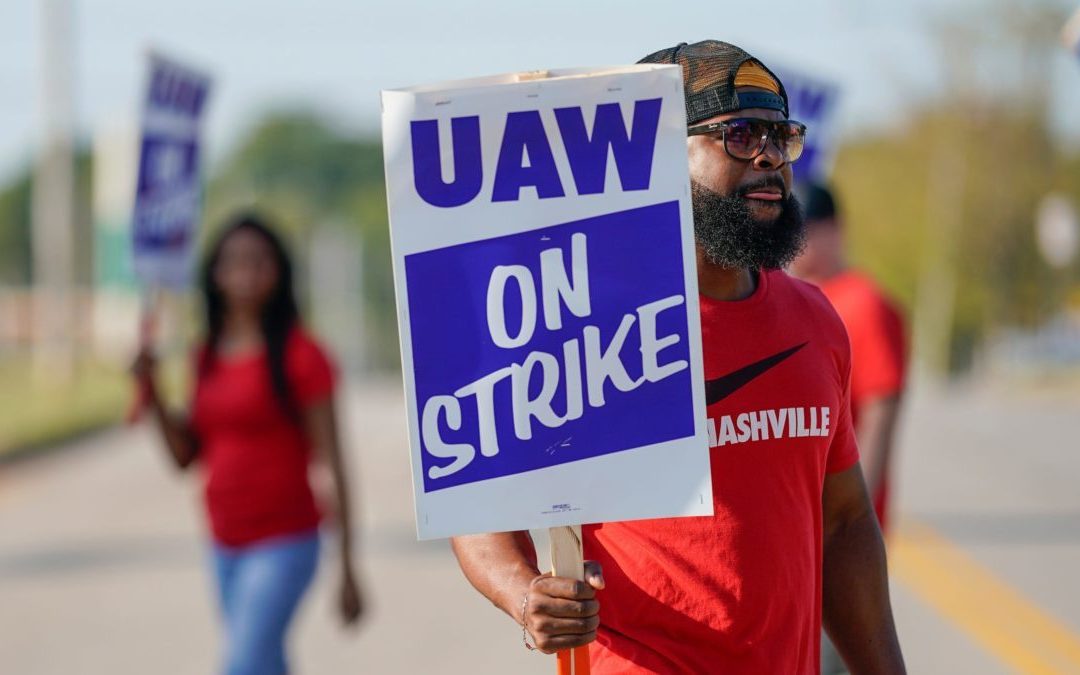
<point x="878" y="349"/>
<point x="262" y="410"/>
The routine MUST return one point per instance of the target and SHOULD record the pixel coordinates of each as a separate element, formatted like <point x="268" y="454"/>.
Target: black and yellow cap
<point x="713" y="71"/>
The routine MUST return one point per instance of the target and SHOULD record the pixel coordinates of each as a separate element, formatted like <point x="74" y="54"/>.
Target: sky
<point x="335" y="56"/>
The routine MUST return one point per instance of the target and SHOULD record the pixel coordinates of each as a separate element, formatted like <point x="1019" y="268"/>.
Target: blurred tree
<point x="942" y="210"/>
<point x="16" y="258"/>
<point x="15" y="253"/>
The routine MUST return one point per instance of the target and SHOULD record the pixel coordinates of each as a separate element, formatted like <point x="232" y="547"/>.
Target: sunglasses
<point x="747" y="137"/>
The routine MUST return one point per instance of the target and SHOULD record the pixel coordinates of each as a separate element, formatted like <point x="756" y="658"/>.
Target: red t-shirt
<point x="739" y="593"/>
<point x="878" y="351"/>
<point x="254" y="457"/>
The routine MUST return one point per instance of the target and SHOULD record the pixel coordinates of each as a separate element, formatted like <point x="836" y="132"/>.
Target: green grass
<point x="36" y="412"/>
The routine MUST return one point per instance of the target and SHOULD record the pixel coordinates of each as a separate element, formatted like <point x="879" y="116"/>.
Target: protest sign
<point x="812" y="101"/>
<point x="168" y="195"/>
<point x="547" y="299"/>
<point x="168" y="192"/>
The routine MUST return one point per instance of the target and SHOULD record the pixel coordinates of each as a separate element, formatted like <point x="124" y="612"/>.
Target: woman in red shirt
<point x="262" y="410"/>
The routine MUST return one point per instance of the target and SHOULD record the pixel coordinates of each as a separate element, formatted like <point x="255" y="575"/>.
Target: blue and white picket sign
<point x="168" y="195"/>
<point x="547" y="299"/>
<point x="813" y="101"/>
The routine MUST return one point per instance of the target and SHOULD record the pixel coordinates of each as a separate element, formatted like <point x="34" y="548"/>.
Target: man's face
<point x="712" y="168"/>
<point x="744" y="213"/>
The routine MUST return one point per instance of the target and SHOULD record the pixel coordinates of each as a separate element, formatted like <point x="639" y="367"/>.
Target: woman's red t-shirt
<point x="254" y="457"/>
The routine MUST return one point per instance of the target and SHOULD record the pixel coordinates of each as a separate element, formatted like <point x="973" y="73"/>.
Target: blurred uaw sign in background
<point x="547" y="299"/>
<point x="812" y="100"/>
<point x="168" y="195"/>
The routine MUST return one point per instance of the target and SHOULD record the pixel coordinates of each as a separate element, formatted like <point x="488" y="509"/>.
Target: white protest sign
<point x="547" y="299"/>
<point x="168" y="193"/>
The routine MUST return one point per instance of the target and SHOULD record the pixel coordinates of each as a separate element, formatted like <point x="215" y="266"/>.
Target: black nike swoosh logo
<point x="722" y="387"/>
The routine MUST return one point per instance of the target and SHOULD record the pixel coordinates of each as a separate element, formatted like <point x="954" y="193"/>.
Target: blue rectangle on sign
<point x="167" y="191"/>
<point x="586" y="383"/>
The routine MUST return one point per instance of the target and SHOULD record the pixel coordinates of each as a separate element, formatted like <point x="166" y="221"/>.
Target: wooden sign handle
<point x="148" y="320"/>
<point x="568" y="561"/>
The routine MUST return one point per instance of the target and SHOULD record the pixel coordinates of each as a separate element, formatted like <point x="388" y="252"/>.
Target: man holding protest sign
<point x="792" y="531"/>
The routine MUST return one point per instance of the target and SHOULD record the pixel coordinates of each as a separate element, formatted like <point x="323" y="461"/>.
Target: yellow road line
<point x="1001" y="620"/>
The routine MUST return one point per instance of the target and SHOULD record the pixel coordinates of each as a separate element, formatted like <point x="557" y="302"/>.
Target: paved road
<point x="987" y="562"/>
<point x="102" y="567"/>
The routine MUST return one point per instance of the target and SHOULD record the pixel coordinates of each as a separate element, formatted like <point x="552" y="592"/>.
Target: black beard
<point x="731" y="237"/>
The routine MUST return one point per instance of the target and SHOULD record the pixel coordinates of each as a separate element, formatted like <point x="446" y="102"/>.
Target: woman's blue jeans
<point x="260" y="586"/>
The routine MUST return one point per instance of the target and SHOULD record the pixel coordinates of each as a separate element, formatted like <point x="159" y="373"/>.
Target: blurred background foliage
<point x="940" y="209"/>
<point x="959" y="182"/>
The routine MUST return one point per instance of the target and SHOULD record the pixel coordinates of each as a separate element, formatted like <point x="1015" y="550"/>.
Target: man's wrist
<point x="515" y="592"/>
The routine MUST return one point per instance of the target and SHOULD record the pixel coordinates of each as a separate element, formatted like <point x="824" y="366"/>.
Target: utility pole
<point x="53" y="206"/>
